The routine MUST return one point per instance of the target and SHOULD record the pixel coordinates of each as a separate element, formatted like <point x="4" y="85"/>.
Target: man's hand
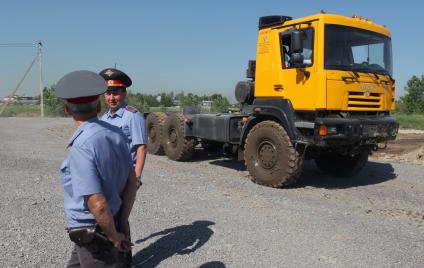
<point x="139" y="182"/>
<point x="121" y="242"/>
<point x="141" y="152"/>
<point x="124" y="228"/>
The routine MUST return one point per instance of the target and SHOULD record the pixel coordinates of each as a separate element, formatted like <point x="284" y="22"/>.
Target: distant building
<point x="176" y="102"/>
<point x="28" y="100"/>
<point x="10" y="98"/>
<point x="207" y="104"/>
<point x="21" y="100"/>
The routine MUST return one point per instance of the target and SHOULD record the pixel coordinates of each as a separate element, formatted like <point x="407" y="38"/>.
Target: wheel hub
<point x="152" y="133"/>
<point x="173" y="136"/>
<point x="267" y="155"/>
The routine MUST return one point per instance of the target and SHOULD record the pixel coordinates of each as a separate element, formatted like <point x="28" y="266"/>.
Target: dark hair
<point x="81" y="109"/>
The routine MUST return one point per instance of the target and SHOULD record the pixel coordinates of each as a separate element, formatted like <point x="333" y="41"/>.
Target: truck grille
<point x="364" y="100"/>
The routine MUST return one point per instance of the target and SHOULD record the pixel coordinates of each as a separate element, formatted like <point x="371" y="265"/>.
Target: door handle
<point x="278" y="87"/>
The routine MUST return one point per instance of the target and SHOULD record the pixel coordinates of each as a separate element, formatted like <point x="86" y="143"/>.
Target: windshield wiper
<point x="351" y="78"/>
<point x="376" y="76"/>
<point x="361" y="69"/>
<point x="385" y="72"/>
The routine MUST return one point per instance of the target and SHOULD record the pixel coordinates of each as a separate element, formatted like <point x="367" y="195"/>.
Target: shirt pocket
<point x="127" y="131"/>
<point x="65" y="176"/>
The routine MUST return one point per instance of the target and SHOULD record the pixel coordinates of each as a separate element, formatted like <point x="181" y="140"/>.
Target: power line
<point x="18" y="44"/>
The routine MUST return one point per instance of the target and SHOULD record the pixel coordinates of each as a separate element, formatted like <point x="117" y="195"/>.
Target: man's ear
<point x="67" y="111"/>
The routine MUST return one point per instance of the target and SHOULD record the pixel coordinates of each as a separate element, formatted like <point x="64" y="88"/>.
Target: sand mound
<point x="407" y="147"/>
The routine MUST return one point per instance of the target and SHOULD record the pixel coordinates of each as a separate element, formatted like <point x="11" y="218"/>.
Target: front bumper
<point x="355" y="130"/>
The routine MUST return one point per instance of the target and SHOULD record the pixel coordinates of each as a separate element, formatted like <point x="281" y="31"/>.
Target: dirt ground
<point x="408" y="147"/>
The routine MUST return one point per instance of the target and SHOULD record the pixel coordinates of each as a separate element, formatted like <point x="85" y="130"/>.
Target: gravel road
<point x="207" y="213"/>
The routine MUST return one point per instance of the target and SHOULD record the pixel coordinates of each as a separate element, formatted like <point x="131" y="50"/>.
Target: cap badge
<point x="109" y="72"/>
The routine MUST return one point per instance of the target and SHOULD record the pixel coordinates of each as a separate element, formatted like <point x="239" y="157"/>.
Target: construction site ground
<point x="408" y="147"/>
<point x="208" y="213"/>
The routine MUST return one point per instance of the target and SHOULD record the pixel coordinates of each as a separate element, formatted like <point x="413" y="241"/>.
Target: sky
<point x="199" y="46"/>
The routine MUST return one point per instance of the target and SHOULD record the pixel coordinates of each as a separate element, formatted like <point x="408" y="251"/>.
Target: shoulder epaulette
<point x="131" y="109"/>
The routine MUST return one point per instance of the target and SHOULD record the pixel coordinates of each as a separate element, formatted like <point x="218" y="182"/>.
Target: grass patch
<point x="414" y="121"/>
<point x="20" y="110"/>
<point x="165" y="109"/>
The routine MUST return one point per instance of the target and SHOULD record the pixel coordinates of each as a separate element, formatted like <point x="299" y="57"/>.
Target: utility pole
<point x="19" y="84"/>
<point x="39" y="48"/>
<point x="38" y="57"/>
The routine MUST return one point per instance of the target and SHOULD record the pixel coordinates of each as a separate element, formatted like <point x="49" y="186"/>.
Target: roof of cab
<point x="354" y="21"/>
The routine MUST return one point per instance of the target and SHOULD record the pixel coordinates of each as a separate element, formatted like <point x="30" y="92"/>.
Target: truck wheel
<point x="155" y="122"/>
<point x="342" y="165"/>
<point x="176" y="146"/>
<point x="270" y="156"/>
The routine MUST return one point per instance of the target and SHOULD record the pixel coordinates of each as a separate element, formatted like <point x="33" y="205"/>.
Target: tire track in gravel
<point x="396" y="199"/>
<point x="229" y="181"/>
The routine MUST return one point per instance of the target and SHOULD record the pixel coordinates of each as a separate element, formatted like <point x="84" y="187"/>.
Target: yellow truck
<point x="321" y="88"/>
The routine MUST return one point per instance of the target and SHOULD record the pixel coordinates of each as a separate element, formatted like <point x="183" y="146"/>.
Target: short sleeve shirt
<point x="131" y="122"/>
<point x="99" y="161"/>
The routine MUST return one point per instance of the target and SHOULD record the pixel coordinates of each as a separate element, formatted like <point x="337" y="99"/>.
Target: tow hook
<point x="377" y="147"/>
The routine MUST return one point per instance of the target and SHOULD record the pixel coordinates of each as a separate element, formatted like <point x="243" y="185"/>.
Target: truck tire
<point x="270" y="156"/>
<point x="155" y="122"/>
<point x="342" y="165"/>
<point x="176" y="146"/>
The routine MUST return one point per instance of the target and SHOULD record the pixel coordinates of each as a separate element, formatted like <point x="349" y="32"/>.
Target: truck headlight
<point x="327" y="130"/>
<point x="332" y="130"/>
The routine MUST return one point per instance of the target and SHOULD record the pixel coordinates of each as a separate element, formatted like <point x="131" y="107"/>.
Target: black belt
<point x="90" y="237"/>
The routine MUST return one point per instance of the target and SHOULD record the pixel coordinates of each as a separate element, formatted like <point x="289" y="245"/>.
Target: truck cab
<point x="341" y="58"/>
<point x="336" y="73"/>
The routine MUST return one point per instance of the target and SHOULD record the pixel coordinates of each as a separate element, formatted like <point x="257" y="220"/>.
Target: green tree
<point x="53" y="105"/>
<point x="219" y="103"/>
<point x="167" y="99"/>
<point x="400" y="107"/>
<point x="137" y="100"/>
<point x="151" y="100"/>
<point x="180" y="96"/>
<point x="413" y="101"/>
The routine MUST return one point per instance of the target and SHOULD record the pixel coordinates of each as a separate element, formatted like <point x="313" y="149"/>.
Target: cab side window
<point x="308" y="48"/>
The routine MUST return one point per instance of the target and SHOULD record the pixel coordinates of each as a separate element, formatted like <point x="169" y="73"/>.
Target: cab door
<point x="299" y="84"/>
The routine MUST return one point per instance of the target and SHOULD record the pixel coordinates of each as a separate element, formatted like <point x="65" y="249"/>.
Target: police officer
<point x="124" y="116"/>
<point x="97" y="176"/>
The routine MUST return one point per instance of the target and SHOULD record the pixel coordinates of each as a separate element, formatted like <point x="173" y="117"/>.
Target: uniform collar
<point x="119" y="112"/>
<point x="81" y="130"/>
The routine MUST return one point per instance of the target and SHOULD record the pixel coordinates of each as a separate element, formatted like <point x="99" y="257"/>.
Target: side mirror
<point x="296" y="49"/>
<point x="296" y="59"/>
<point x="297" y="37"/>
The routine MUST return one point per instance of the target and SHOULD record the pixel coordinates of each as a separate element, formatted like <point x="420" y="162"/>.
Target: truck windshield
<point x="353" y="49"/>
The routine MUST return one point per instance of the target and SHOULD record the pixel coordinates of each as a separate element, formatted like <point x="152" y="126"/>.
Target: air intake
<point x="364" y="101"/>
